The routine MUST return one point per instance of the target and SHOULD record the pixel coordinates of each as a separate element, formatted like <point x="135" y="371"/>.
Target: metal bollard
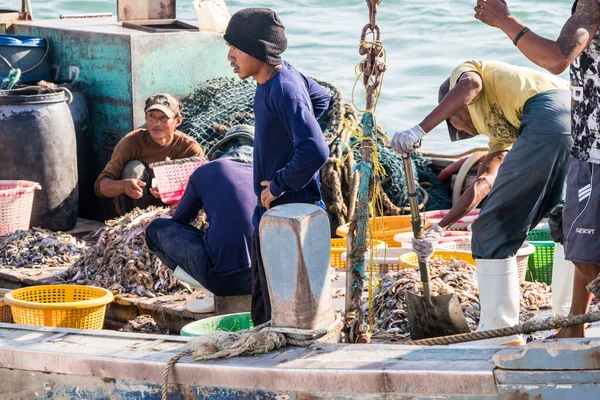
<point x="295" y="246"/>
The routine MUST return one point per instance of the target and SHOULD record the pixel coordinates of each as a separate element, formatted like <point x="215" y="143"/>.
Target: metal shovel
<point x="429" y="316"/>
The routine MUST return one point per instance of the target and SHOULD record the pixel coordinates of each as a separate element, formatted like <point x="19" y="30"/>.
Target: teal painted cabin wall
<point x="123" y="67"/>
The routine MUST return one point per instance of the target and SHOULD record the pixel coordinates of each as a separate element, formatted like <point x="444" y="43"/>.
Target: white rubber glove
<point x="404" y="141"/>
<point x="426" y="246"/>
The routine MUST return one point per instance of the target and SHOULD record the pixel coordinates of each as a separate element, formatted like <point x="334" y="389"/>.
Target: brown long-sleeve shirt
<point x="137" y="145"/>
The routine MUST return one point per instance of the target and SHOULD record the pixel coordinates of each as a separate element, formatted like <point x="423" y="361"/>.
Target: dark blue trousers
<point x="182" y="245"/>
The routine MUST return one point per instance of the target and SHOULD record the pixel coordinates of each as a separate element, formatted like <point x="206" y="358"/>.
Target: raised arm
<point x="553" y="55"/>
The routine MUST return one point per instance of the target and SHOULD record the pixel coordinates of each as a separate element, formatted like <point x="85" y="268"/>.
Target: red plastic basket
<point x="16" y="201"/>
<point x="172" y="177"/>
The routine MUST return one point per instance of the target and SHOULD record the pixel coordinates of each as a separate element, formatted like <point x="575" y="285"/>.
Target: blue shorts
<point x="581" y="214"/>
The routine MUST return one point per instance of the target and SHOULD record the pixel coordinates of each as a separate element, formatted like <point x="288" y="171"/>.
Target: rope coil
<point x="258" y="340"/>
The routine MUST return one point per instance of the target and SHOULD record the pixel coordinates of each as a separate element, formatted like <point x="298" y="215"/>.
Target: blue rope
<point x="362" y="214"/>
<point x="11" y="80"/>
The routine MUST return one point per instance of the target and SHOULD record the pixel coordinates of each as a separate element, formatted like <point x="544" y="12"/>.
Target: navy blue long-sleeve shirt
<point x="289" y="147"/>
<point x="224" y="189"/>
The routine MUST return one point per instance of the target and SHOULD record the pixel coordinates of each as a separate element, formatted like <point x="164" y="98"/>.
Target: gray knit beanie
<point x="259" y="33"/>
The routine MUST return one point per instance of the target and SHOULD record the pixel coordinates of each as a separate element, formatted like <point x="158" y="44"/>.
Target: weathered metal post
<point x="294" y="241"/>
<point x="372" y="69"/>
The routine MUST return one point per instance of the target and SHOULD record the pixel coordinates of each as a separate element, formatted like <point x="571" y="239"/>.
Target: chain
<point x="372" y="69"/>
<point x="373" y="66"/>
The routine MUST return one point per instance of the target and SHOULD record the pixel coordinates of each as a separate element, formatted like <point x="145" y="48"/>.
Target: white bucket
<point x="213" y="15"/>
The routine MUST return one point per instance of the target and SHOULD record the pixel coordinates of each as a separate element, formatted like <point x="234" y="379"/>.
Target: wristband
<point x="524" y="31"/>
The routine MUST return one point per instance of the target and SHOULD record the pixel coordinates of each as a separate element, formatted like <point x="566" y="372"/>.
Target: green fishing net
<point x="218" y="104"/>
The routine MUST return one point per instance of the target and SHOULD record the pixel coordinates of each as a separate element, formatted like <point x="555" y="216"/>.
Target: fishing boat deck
<point x="61" y="363"/>
<point x="140" y="359"/>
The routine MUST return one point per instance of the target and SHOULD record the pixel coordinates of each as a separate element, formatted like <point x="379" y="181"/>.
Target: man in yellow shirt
<point x="526" y="116"/>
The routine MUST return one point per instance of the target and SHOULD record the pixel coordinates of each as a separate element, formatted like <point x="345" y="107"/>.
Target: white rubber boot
<point x="563" y="273"/>
<point x="197" y="306"/>
<point x="499" y="294"/>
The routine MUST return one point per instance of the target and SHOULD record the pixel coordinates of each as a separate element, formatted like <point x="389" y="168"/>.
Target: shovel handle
<point x="416" y="221"/>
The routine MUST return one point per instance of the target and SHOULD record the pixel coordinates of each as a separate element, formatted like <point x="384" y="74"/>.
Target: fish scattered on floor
<point x="121" y="262"/>
<point x="39" y="248"/>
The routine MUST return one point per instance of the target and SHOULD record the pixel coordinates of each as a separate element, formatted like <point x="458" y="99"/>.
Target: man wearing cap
<point x="289" y="147"/>
<point x="127" y="178"/>
<point x="218" y="260"/>
<point x="526" y="116"/>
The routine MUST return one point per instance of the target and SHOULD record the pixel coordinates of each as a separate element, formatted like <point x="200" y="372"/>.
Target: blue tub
<point x="28" y="53"/>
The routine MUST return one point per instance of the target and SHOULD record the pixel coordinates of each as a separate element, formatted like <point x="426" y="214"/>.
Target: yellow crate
<point x="65" y="306"/>
<point x="338" y="246"/>
<point x="384" y="228"/>
<point x="410" y="260"/>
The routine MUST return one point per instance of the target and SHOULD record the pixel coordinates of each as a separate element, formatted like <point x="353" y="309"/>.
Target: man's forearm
<point x="555" y="56"/>
<point x="541" y="51"/>
<point x="467" y="201"/>
<point x="111" y="188"/>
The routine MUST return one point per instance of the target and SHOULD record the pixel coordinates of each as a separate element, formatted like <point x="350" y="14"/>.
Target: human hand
<point x="154" y="189"/>
<point x="133" y="188"/>
<point x="265" y="196"/>
<point x="492" y="12"/>
<point x="426" y="246"/>
<point x="405" y="141"/>
<point x="154" y="192"/>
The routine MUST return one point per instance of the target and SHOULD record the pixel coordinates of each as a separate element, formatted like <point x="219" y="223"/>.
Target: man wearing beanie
<point x="289" y="147"/>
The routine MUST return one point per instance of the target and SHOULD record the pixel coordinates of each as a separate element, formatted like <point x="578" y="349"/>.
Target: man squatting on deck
<point x="289" y="147"/>
<point x="577" y="47"/>
<point x="126" y="178"/>
<point x="525" y="114"/>
<point x="216" y="261"/>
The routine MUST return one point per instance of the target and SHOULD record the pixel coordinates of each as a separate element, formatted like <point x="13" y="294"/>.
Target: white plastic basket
<point x="523" y="254"/>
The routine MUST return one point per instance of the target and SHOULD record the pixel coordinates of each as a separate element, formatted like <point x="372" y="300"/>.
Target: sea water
<point x="424" y="41"/>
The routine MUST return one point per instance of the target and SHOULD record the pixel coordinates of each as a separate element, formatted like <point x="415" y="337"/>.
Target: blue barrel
<point x="38" y="144"/>
<point x="28" y="53"/>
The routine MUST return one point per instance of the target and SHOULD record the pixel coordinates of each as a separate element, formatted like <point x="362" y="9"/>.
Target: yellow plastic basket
<point x="384" y="228"/>
<point x="338" y="246"/>
<point x="410" y="260"/>
<point x="65" y="306"/>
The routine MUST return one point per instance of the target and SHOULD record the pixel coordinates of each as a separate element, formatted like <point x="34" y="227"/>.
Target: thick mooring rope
<point x="557" y="322"/>
<point x="258" y="340"/>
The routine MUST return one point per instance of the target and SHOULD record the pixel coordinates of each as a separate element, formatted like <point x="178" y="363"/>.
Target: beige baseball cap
<point x="164" y="102"/>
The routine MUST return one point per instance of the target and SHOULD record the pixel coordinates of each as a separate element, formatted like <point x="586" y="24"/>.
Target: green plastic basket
<point x="229" y="323"/>
<point x="540" y="263"/>
<point x="539" y="235"/>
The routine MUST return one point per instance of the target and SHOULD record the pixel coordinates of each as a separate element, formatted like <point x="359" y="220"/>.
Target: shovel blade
<point x="442" y="317"/>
